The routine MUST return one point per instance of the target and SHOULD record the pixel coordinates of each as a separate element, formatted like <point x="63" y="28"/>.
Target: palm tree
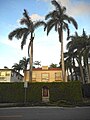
<point x="53" y="65"/>
<point x="38" y="63"/>
<point x="17" y="67"/>
<point x="85" y="53"/>
<point x="80" y="46"/>
<point x="25" y="32"/>
<point x="75" y="45"/>
<point x="68" y="64"/>
<point x="24" y="64"/>
<point x="58" y="19"/>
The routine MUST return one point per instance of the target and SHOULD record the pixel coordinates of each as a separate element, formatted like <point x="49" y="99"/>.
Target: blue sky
<point x="46" y="49"/>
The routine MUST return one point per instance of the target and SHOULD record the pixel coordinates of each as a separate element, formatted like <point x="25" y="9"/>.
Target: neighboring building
<point x="44" y="74"/>
<point x="9" y="75"/>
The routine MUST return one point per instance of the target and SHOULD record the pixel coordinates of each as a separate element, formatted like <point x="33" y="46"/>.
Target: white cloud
<point x="35" y="17"/>
<point x="80" y="9"/>
<point x="75" y="8"/>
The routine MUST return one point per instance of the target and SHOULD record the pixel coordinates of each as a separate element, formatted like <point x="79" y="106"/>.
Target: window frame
<point x="43" y="78"/>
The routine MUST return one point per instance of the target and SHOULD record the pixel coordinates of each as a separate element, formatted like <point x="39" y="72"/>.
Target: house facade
<point x="9" y="75"/>
<point x="44" y="74"/>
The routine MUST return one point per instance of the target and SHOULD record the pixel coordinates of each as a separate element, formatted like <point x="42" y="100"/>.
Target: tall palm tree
<point x="58" y="19"/>
<point x="75" y="45"/>
<point x="25" y="32"/>
<point x="80" y="46"/>
<point x="85" y="53"/>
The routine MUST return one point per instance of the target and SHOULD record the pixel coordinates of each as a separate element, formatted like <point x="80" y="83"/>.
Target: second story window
<point x="45" y="77"/>
<point x="58" y="76"/>
<point x="34" y="76"/>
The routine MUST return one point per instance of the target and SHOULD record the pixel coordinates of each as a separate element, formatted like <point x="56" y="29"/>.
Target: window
<point x="2" y="73"/>
<point x="34" y="76"/>
<point x="45" y="76"/>
<point x="2" y="79"/>
<point x="7" y="74"/>
<point x="58" y="76"/>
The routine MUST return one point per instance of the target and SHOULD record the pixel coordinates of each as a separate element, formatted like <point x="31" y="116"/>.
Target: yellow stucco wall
<point x="44" y="75"/>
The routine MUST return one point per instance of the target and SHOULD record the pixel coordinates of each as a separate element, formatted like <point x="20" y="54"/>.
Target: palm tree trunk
<point x="82" y="76"/>
<point x="71" y="78"/>
<point x="62" y="56"/>
<point x="31" y="58"/>
<point x="24" y="75"/>
<point x="81" y="69"/>
<point x="31" y="61"/>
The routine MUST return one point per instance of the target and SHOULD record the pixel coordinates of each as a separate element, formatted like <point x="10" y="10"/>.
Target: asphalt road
<point x="45" y="113"/>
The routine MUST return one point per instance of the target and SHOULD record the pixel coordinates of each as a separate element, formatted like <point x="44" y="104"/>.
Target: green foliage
<point x="11" y="92"/>
<point x="34" y="93"/>
<point x="15" y="92"/>
<point x="70" y="91"/>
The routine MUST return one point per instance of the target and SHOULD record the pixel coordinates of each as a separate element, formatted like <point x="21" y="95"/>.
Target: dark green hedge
<point x="86" y="90"/>
<point x="11" y="92"/>
<point x="14" y="92"/>
<point x="70" y="91"/>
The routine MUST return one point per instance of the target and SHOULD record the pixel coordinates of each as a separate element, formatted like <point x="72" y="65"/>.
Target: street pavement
<point x="45" y="113"/>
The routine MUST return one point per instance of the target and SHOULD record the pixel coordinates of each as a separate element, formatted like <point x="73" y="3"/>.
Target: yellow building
<point x="44" y="74"/>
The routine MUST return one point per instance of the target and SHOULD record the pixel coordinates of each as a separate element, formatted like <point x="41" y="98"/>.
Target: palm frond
<point x="24" y="62"/>
<point x="73" y="22"/>
<point x="24" y="39"/>
<point x="69" y="44"/>
<point x="63" y="9"/>
<point x="65" y="54"/>
<point x="65" y="18"/>
<point x="17" y="33"/>
<point x="24" y="21"/>
<point x="76" y="34"/>
<point x="66" y="27"/>
<point x="26" y="15"/>
<point x="50" y="14"/>
<point x="39" y="23"/>
<point x="57" y="5"/>
<point x="27" y="20"/>
<point x="50" y="24"/>
<point x="84" y="35"/>
<point x="29" y="24"/>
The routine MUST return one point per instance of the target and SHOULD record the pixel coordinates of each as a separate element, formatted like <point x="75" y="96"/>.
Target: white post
<point x="25" y="87"/>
